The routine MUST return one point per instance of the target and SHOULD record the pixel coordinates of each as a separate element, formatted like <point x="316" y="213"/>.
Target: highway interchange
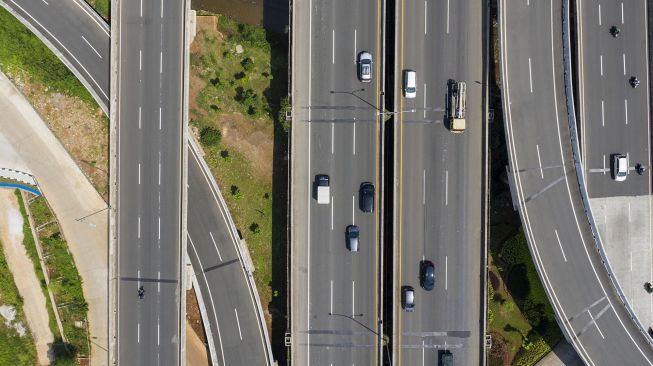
<point x="338" y="127"/>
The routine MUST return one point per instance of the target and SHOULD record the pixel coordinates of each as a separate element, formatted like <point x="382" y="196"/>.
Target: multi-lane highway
<point x="336" y="129"/>
<point x="547" y="190"/>
<point x="149" y="190"/>
<point x="72" y="26"/>
<point x="439" y="176"/>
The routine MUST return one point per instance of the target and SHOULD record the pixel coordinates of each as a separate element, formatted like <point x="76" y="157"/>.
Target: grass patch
<point x="103" y="7"/>
<point x="23" y="55"/>
<point x="65" y="283"/>
<point x="10" y="339"/>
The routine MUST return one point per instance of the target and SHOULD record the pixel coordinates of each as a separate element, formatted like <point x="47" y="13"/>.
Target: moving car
<point x="352" y="233"/>
<point x="446" y="359"/>
<point x="410" y="84"/>
<point x="619" y="167"/>
<point x="365" y="67"/>
<point x="322" y="187"/>
<point x="366" y="197"/>
<point x="408" y="298"/>
<point x="426" y="275"/>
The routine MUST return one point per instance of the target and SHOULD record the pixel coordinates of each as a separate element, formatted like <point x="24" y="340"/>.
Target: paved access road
<point x="335" y="300"/>
<point x="439" y="177"/>
<point x="72" y="25"/>
<point x="547" y="191"/>
<point x="614" y="116"/>
<point x="151" y="48"/>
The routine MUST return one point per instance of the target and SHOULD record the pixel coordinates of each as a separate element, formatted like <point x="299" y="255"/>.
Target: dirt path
<point x="11" y="236"/>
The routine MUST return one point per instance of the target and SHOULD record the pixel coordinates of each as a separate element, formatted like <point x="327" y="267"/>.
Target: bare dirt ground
<point x="197" y="352"/>
<point x="34" y="306"/>
<point x="82" y="130"/>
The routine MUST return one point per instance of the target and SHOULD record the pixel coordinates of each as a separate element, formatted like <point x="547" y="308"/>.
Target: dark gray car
<point x="352" y="233"/>
<point x="366" y="197"/>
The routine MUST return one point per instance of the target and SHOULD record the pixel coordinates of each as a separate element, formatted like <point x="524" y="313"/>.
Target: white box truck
<point x="322" y="187"/>
<point x="457" y="105"/>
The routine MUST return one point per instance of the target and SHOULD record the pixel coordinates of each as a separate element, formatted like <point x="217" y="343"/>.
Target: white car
<point x="410" y="84"/>
<point x="365" y="67"/>
<point x="619" y="167"/>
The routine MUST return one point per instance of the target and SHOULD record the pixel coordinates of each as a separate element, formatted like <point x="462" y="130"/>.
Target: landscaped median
<point x="60" y="281"/>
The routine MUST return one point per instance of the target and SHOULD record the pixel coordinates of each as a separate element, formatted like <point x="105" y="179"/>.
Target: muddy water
<point x="271" y="14"/>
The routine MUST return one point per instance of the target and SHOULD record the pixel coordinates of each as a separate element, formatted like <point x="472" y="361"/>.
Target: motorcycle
<point x="141" y="292"/>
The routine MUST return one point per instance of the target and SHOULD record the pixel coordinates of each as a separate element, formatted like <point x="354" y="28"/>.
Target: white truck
<point x="457" y="105"/>
<point x="322" y="187"/>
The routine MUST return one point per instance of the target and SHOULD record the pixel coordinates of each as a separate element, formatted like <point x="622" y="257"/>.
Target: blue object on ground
<point x="21" y="186"/>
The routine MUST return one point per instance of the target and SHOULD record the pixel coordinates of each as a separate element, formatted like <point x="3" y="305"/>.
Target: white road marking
<point x="332" y="135"/>
<point x="422" y="353"/>
<point x="447" y="16"/>
<point x="159" y="228"/>
<point x="161" y="62"/>
<point x="141" y="8"/>
<point x="354" y="126"/>
<point x="139" y="118"/>
<point x="308" y="216"/>
<point x="333" y="46"/>
<point x="626" y="109"/>
<point x="353" y="296"/>
<point x="446" y="272"/>
<point x="140" y="60"/>
<point x="601" y="58"/>
<point x="539" y="160"/>
<point x="353" y="205"/>
<point x="139" y="227"/>
<point x="623" y="57"/>
<point x="446" y="188"/>
<point x="627" y="163"/>
<point x="355" y="47"/>
<point x="622" y="13"/>
<point x="560" y="244"/>
<point x="424" y="187"/>
<point x="215" y="245"/>
<point x="604" y="170"/>
<point x="158" y="332"/>
<point x="332" y="204"/>
<point x="530" y="74"/>
<point x="139" y="173"/>
<point x="158" y="285"/>
<point x="160" y="118"/>
<point x="602" y="114"/>
<point x="331" y="297"/>
<point x="138" y="333"/>
<point x="595" y="324"/>
<point x="240" y="334"/>
<point x="93" y="48"/>
<point x="45" y="2"/>
<point x="424" y="101"/>
<point x="425" y="17"/>
<point x="599" y="14"/>
<point x="159" y="167"/>
<point x="161" y="9"/>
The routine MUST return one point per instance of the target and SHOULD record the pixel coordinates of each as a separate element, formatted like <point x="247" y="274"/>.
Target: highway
<point x="149" y="181"/>
<point x="439" y="177"/>
<point x="547" y="190"/>
<point x="72" y="25"/>
<point x="335" y="307"/>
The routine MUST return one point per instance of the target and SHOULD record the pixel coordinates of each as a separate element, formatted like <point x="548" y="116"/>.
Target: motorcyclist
<point x="614" y="30"/>
<point x="141" y="292"/>
<point x="640" y="169"/>
<point x="634" y="81"/>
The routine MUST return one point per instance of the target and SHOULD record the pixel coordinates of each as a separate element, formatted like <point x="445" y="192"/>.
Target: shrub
<point x="210" y="136"/>
<point x="247" y="64"/>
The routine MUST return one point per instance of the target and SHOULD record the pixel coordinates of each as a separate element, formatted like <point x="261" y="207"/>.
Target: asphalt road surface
<point x="440" y="175"/>
<point x="335" y="301"/>
<point x="149" y="181"/>
<point x="71" y="26"/>
<point x="614" y="116"/>
<point x="539" y="146"/>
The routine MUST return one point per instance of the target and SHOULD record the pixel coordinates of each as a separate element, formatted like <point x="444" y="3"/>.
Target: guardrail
<point x="571" y="117"/>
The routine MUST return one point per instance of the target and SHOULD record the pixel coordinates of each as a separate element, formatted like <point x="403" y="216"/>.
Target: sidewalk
<point x="563" y="354"/>
<point x="71" y="196"/>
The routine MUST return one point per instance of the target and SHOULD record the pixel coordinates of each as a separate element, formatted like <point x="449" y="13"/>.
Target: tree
<point x="210" y="136"/>
<point x="247" y="64"/>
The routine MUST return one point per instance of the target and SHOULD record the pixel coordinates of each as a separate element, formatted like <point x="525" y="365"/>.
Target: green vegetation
<point x="520" y="318"/>
<point x="103" y="7"/>
<point x="23" y="55"/>
<point x="210" y="136"/>
<point x="10" y="339"/>
<point x="65" y="282"/>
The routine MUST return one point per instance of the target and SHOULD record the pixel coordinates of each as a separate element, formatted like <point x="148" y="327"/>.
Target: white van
<point x="410" y="84"/>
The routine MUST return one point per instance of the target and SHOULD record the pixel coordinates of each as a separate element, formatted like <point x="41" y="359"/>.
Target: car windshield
<point x="410" y="90"/>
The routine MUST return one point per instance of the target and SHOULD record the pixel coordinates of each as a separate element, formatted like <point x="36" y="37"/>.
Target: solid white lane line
<point x="353" y="296"/>
<point x="560" y="245"/>
<point x="424" y="187"/>
<point x="601" y="58"/>
<point x="139" y="118"/>
<point x="331" y="297"/>
<point x="447" y="16"/>
<point x="215" y="245"/>
<point x="626" y="109"/>
<point x="139" y="227"/>
<point x="446" y="188"/>
<point x="308" y="214"/>
<point x="424" y="115"/>
<point x="623" y="57"/>
<point x="595" y="324"/>
<point x="333" y="46"/>
<point x="93" y="48"/>
<point x="161" y="62"/>
<point x="332" y="204"/>
<point x="354" y="126"/>
<point x="446" y="272"/>
<point x="140" y="60"/>
<point x="425" y="17"/>
<point x="599" y="14"/>
<point x="530" y="74"/>
<point x="138" y="333"/>
<point x="355" y="48"/>
<point x="602" y="114"/>
<point x="139" y="173"/>
<point x="160" y="117"/>
<point x="353" y="205"/>
<point x="333" y="127"/>
<point x="240" y="334"/>
<point x="539" y="160"/>
<point x="622" y="13"/>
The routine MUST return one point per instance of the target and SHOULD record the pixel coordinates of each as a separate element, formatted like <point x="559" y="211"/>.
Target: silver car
<point x="352" y="233"/>
<point x="619" y="167"/>
<point x="365" y="67"/>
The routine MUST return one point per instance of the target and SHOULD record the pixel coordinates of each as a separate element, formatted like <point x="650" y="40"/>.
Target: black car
<point x="426" y="275"/>
<point x="366" y="197"/>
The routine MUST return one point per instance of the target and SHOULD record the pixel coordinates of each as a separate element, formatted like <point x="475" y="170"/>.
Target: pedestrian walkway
<point x="563" y="354"/>
<point x="79" y="208"/>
